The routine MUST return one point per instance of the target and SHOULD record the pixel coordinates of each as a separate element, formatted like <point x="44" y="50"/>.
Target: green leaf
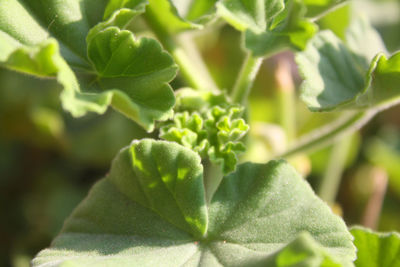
<point x="150" y="210"/>
<point x="383" y="84"/>
<point x="376" y="249"/>
<point x="167" y="15"/>
<point x="250" y="14"/>
<point x="294" y="31"/>
<point x="317" y="8"/>
<point x="303" y="251"/>
<point x="26" y="47"/>
<point x="340" y="76"/>
<point x="199" y="11"/>
<point x="363" y="40"/>
<point x="331" y="77"/>
<point x="118" y="13"/>
<point x="337" y="21"/>
<point x="117" y="5"/>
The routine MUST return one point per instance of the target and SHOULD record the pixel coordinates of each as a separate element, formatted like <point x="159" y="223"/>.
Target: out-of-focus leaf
<point x="331" y="77"/>
<point x="151" y="210"/>
<point x="167" y="15"/>
<point x="254" y="14"/>
<point x="363" y="40"/>
<point x="337" y="21"/>
<point x="376" y="249"/>
<point x="294" y="31"/>
<point x="316" y="8"/>
<point x="383" y="81"/>
<point x="386" y="156"/>
<point x="347" y="75"/>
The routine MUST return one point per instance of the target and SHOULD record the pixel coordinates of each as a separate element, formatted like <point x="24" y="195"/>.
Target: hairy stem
<point x="330" y="183"/>
<point x="328" y="134"/>
<point x="192" y="69"/>
<point x="246" y="78"/>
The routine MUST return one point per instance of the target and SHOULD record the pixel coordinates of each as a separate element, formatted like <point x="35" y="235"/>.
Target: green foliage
<point x="151" y="210"/>
<point x="293" y="31"/>
<point x="185" y="200"/>
<point x="348" y="75"/>
<point x="127" y="89"/>
<point x="254" y="14"/>
<point x="376" y="249"/>
<point x="209" y="125"/>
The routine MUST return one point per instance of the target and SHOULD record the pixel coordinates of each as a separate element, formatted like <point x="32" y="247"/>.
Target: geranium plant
<point x="184" y="199"/>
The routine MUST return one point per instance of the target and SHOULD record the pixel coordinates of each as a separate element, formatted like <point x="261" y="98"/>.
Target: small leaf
<point x="118" y="13"/>
<point x="199" y="11"/>
<point x="294" y="31"/>
<point x="255" y="15"/>
<point x="166" y="14"/>
<point x="331" y="77"/>
<point x="338" y="76"/>
<point x="376" y="249"/>
<point x="383" y="82"/>
<point x="138" y="69"/>
<point x="150" y="211"/>
<point x="116" y="5"/>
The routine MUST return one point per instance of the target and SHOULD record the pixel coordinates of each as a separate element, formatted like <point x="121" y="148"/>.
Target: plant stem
<point x="328" y="134"/>
<point x="333" y="173"/>
<point x="192" y="69"/>
<point x="374" y="205"/>
<point x="246" y="78"/>
<point x="286" y="98"/>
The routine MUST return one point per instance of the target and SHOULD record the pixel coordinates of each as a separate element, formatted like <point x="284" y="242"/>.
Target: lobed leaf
<point x="376" y="249"/>
<point x="339" y="75"/>
<point x="26" y="47"/>
<point x="331" y="77"/>
<point x="150" y="210"/>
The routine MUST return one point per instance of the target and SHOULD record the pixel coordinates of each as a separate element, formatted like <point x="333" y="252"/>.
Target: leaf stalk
<point x="246" y="78"/>
<point x="193" y="68"/>
<point x="330" y="133"/>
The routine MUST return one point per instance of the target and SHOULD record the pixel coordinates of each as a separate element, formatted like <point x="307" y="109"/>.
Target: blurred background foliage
<point x="49" y="160"/>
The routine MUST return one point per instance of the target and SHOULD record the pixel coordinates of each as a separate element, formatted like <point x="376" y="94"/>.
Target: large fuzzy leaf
<point x="25" y="29"/>
<point x="151" y="210"/>
<point x="376" y="249"/>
